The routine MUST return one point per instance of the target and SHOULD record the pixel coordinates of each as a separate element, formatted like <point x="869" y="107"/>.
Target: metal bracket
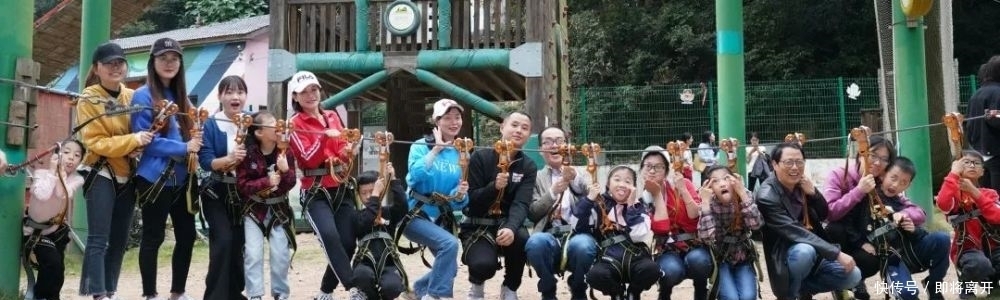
<point x="526" y="60"/>
<point x="280" y="65"/>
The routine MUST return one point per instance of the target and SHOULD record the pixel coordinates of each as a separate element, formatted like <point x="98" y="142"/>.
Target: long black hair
<point x="178" y="86"/>
<point x="259" y="118"/>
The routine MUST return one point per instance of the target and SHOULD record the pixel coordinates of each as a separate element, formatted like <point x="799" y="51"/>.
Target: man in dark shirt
<point x="486" y="234"/>
<point x="800" y="261"/>
<point x="984" y="133"/>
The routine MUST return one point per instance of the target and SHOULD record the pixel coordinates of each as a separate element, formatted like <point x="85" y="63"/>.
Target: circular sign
<point x="401" y="17"/>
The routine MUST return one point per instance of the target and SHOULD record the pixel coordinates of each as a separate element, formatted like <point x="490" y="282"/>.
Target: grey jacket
<point x="541" y="206"/>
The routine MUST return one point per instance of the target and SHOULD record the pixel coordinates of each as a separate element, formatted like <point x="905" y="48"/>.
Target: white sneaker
<point x="476" y="292"/>
<point x="323" y="296"/>
<point x="184" y="297"/>
<point x="429" y="297"/>
<point x="507" y="294"/>
<point x="356" y="294"/>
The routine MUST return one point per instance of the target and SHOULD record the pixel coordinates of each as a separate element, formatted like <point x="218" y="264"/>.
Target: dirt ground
<point x="307" y="270"/>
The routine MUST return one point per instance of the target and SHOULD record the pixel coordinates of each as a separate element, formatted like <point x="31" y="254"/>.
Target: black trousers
<point x="976" y="266"/>
<point x="225" y="248"/>
<point x="390" y="284"/>
<point x="643" y="273"/>
<point x="483" y="258"/>
<point x="170" y="202"/>
<point x="335" y="229"/>
<point x="49" y="254"/>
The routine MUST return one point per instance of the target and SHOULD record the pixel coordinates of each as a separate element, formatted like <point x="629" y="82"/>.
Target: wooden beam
<point x="505" y="85"/>
<point x="275" y="91"/>
<point x="471" y="79"/>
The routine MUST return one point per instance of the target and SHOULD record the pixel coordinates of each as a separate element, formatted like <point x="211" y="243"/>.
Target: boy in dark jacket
<point x="377" y="270"/>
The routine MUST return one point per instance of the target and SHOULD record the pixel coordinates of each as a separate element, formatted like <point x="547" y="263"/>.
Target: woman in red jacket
<point x="329" y="203"/>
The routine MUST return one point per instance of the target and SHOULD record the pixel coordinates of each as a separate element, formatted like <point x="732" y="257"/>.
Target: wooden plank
<point x="324" y="30"/>
<point x="473" y="80"/>
<point x="535" y="101"/>
<point x="565" y="101"/>
<point x="504" y="85"/>
<point x="486" y="23"/>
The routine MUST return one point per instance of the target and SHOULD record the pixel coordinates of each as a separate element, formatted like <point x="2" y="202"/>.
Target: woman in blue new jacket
<point x="433" y="172"/>
<point x="170" y="147"/>
<point x="220" y="203"/>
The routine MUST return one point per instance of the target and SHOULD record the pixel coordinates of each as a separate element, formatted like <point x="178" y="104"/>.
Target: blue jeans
<point x="253" y="259"/>
<point x="695" y="264"/>
<point x="931" y="251"/>
<point x="737" y="282"/>
<point x="829" y="275"/>
<point x="109" y="219"/>
<point x="544" y="254"/>
<point x="439" y="282"/>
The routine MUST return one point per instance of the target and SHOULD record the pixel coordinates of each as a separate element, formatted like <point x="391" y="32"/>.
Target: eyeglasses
<point x="788" y="163"/>
<point x="972" y="164"/>
<point x="550" y="142"/>
<point x="878" y="159"/>
<point x="655" y="168"/>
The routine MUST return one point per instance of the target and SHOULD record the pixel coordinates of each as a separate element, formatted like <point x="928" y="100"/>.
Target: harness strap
<point x="88" y="181"/>
<point x="560" y="230"/>
<point x="482" y="222"/>
<point x="223" y="178"/>
<point x="881" y="231"/>
<point x="268" y="201"/>
<point x="147" y="197"/>
<point x="962" y="218"/>
<point x="320" y="172"/>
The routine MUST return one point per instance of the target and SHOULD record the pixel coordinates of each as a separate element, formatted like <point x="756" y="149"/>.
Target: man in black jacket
<point x="487" y="234"/>
<point x="800" y="262"/>
<point x="984" y="133"/>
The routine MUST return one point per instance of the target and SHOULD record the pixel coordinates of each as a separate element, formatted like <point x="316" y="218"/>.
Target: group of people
<point x="643" y="227"/>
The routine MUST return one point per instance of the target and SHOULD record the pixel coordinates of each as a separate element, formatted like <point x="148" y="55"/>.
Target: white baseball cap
<point x="301" y="80"/>
<point x="442" y="106"/>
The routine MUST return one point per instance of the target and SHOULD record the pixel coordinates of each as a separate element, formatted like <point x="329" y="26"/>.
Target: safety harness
<point x="445" y="220"/>
<point x="378" y="261"/>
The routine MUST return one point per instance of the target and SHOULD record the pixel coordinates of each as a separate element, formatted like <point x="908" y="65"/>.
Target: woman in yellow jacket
<point x="108" y="169"/>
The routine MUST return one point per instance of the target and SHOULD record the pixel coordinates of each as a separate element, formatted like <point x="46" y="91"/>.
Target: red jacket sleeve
<point x="987" y="203"/>
<point x="662" y="227"/>
<point x="947" y="197"/>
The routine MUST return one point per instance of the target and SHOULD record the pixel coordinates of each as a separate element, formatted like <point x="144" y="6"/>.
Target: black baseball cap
<point x="164" y="45"/>
<point x="108" y="52"/>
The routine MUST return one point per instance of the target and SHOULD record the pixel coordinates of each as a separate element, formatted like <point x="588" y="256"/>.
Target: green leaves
<point x="214" y="11"/>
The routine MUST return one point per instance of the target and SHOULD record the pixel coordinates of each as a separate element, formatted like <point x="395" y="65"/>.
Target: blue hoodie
<point x="442" y="176"/>
<point x="163" y="148"/>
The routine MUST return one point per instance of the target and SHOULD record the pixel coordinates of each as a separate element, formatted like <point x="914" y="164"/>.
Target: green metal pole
<point x="95" y="30"/>
<point x="444" y="24"/>
<point x="356" y="89"/>
<point x="460" y="94"/>
<point x="586" y="116"/>
<point x="340" y="62"/>
<point x="461" y="59"/>
<point x="17" y="36"/>
<point x="732" y="88"/>
<point x="843" y="112"/>
<point x="911" y="110"/>
<point x="361" y="25"/>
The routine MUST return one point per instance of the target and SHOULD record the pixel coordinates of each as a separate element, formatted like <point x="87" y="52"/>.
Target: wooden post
<point x="565" y="100"/>
<point x="539" y="90"/>
<point x="275" y="91"/>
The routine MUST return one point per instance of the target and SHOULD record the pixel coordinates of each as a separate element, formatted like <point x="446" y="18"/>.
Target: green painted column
<point x="17" y="36"/>
<point x="361" y="25"/>
<point x="463" y="59"/>
<point x="462" y="95"/>
<point x="910" y="81"/>
<point x="444" y="24"/>
<point x="95" y="29"/>
<point x="732" y="88"/>
<point x="340" y="62"/>
<point x="356" y="89"/>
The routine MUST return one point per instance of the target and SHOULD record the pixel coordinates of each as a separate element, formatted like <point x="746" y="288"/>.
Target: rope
<point x="76" y="97"/>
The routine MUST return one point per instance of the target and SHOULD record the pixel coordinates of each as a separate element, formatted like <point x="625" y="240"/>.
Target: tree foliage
<point x="636" y="42"/>
<point x="214" y="11"/>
